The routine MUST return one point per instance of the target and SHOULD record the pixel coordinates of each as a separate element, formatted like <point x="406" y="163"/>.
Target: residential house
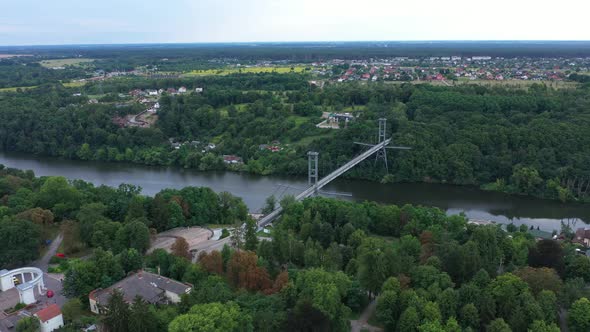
<point x="182" y="89"/>
<point x="50" y="318"/>
<point x="231" y="159"/>
<point x="582" y="237"/>
<point x="153" y="288"/>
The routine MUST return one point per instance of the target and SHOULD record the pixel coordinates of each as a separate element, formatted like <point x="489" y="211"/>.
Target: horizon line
<point x="310" y="42"/>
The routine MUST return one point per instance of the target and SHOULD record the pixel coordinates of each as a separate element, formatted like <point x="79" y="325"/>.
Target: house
<point x="171" y="91"/>
<point x="152" y="92"/>
<point x="582" y="237"/>
<point x="153" y="288"/>
<point x="50" y="318"/>
<point x="182" y="89"/>
<point x="199" y="90"/>
<point x="231" y="159"/>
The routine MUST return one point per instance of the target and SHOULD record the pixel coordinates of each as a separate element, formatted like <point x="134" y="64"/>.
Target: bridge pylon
<point x="312" y="168"/>
<point x="382" y="152"/>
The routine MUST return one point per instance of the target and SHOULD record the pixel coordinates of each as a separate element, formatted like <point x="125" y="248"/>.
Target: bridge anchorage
<point x="316" y="184"/>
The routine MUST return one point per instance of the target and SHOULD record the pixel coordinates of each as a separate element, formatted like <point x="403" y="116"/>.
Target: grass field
<point x="246" y="70"/>
<point x="65" y="62"/>
<point x="75" y="84"/>
<point x="13" y="89"/>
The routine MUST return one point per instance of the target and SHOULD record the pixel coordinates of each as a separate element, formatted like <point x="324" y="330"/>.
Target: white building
<point x="50" y="318"/>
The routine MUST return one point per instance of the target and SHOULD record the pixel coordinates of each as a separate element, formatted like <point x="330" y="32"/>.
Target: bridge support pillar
<point x="312" y="168"/>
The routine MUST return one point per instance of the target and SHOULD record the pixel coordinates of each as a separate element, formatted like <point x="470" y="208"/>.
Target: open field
<point x="246" y="70"/>
<point x="13" y="89"/>
<point x="65" y="62"/>
<point x="6" y="56"/>
<point x="74" y="84"/>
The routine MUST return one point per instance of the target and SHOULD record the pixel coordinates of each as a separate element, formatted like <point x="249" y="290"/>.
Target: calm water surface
<point x="254" y="189"/>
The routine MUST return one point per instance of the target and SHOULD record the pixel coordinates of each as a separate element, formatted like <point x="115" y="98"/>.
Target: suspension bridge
<point x="315" y="184"/>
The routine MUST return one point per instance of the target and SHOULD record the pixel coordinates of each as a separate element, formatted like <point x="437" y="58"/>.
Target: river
<point x="254" y="189"/>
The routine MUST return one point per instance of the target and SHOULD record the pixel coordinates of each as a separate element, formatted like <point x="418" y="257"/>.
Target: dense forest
<point x="324" y="262"/>
<point x="311" y="51"/>
<point x="532" y="142"/>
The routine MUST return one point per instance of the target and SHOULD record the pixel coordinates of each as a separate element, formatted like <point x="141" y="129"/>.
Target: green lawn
<point x="245" y="70"/>
<point x="65" y="62"/>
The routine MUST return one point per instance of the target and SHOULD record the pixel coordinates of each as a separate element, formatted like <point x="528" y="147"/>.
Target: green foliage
<point x="19" y="242"/>
<point x="579" y="316"/>
<point x="28" y="324"/>
<point x="72" y="310"/>
<point x="213" y="317"/>
<point x="117" y="314"/>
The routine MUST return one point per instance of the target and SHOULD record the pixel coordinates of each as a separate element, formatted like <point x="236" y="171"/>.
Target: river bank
<point x="254" y="189"/>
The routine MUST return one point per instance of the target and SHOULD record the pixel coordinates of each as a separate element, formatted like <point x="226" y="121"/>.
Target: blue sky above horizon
<point x="42" y="22"/>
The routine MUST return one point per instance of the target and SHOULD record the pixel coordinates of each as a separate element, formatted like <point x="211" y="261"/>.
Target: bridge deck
<point x="269" y="218"/>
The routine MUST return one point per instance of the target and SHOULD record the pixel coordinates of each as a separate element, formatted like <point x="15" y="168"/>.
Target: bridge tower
<point x="382" y="153"/>
<point x="312" y="168"/>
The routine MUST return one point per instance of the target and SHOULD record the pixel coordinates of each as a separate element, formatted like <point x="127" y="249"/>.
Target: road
<point x="362" y="324"/>
<point x="43" y="262"/>
<point x="52" y="281"/>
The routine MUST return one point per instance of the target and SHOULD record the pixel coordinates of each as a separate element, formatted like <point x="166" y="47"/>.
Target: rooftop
<point x="48" y="313"/>
<point x="149" y="286"/>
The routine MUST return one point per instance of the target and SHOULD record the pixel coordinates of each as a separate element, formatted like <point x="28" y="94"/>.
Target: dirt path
<point x="361" y="324"/>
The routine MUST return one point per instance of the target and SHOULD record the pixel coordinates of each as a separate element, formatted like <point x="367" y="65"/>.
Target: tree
<point x="130" y="260"/>
<point x="243" y="272"/>
<point x="540" y="279"/>
<point x="526" y="179"/>
<point x="72" y="309"/>
<point x="213" y="317"/>
<point x="28" y="324"/>
<point x="547" y="253"/>
<point x="448" y="302"/>
<point x="498" y="325"/>
<point x="116" y="318"/>
<point x="548" y="304"/>
<point x="141" y="318"/>
<point x="371" y="274"/>
<point x="470" y="316"/>
<point x="578" y="267"/>
<point x="37" y="215"/>
<point x="133" y="234"/>
<point x="212" y="262"/>
<point x="71" y="236"/>
<point x="542" y="326"/>
<point x="180" y="248"/>
<point x="251" y="239"/>
<point x="387" y="309"/>
<point x="269" y="204"/>
<point x="20" y="242"/>
<point x="409" y="320"/>
<point x="579" y="316"/>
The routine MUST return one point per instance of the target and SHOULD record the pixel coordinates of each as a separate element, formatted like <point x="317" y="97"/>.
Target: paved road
<point x="43" y="262"/>
<point x="52" y="281"/>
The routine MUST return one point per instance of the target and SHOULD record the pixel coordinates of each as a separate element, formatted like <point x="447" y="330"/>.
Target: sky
<point x="56" y="22"/>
